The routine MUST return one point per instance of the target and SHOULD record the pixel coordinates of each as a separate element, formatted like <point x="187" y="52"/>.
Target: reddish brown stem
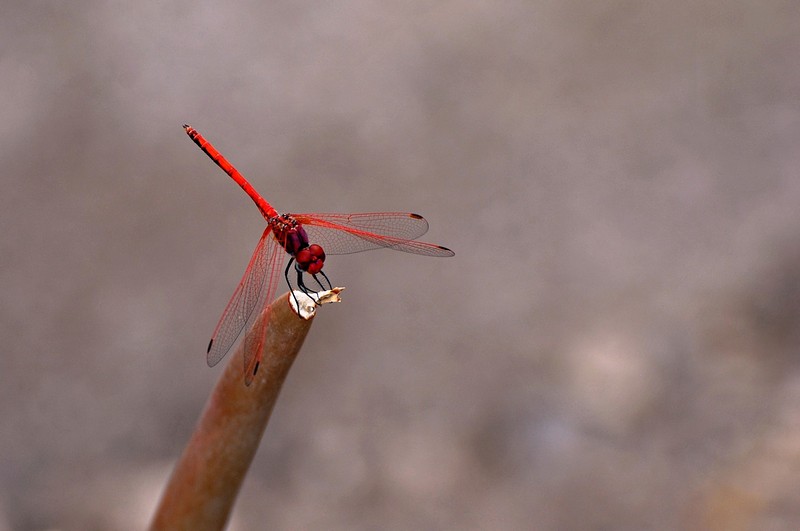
<point x="204" y="484"/>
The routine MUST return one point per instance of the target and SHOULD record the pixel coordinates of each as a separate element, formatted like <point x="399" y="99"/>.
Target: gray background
<point x="614" y="346"/>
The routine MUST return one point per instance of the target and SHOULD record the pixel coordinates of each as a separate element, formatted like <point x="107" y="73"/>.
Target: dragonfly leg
<point x="286" y="276"/>
<point x="302" y="285"/>
<point x="321" y="285"/>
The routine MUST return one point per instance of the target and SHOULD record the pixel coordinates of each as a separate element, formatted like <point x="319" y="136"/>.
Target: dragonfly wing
<point x="403" y="225"/>
<point x="249" y="293"/>
<point x="255" y="340"/>
<point x="354" y="233"/>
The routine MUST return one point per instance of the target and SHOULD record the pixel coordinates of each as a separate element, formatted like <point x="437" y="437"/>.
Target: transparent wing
<point x="240" y="311"/>
<point x="354" y="233"/>
<point x="256" y="338"/>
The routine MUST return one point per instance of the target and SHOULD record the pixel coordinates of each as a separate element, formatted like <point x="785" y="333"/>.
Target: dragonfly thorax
<point x="292" y="237"/>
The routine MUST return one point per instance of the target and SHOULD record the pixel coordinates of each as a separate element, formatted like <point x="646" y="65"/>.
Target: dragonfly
<point x="292" y="235"/>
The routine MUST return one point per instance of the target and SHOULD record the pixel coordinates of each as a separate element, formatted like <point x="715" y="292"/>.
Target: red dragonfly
<point x="291" y="234"/>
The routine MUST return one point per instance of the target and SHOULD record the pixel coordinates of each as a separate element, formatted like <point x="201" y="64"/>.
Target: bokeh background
<point x="614" y="346"/>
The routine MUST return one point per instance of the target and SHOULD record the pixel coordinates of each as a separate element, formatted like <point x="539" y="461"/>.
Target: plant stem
<point x="204" y="484"/>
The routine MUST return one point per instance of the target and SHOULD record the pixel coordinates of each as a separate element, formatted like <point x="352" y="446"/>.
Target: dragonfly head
<point x="310" y="259"/>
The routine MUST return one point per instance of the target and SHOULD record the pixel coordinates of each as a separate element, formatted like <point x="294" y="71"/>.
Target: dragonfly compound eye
<point x="317" y="252"/>
<point x="311" y="259"/>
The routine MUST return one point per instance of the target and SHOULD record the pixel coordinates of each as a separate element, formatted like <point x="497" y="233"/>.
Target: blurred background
<point x="614" y="346"/>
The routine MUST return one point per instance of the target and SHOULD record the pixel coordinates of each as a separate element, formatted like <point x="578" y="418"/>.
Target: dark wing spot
<point x="255" y="369"/>
<point x="415" y="216"/>
<point x="211" y="341"/>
